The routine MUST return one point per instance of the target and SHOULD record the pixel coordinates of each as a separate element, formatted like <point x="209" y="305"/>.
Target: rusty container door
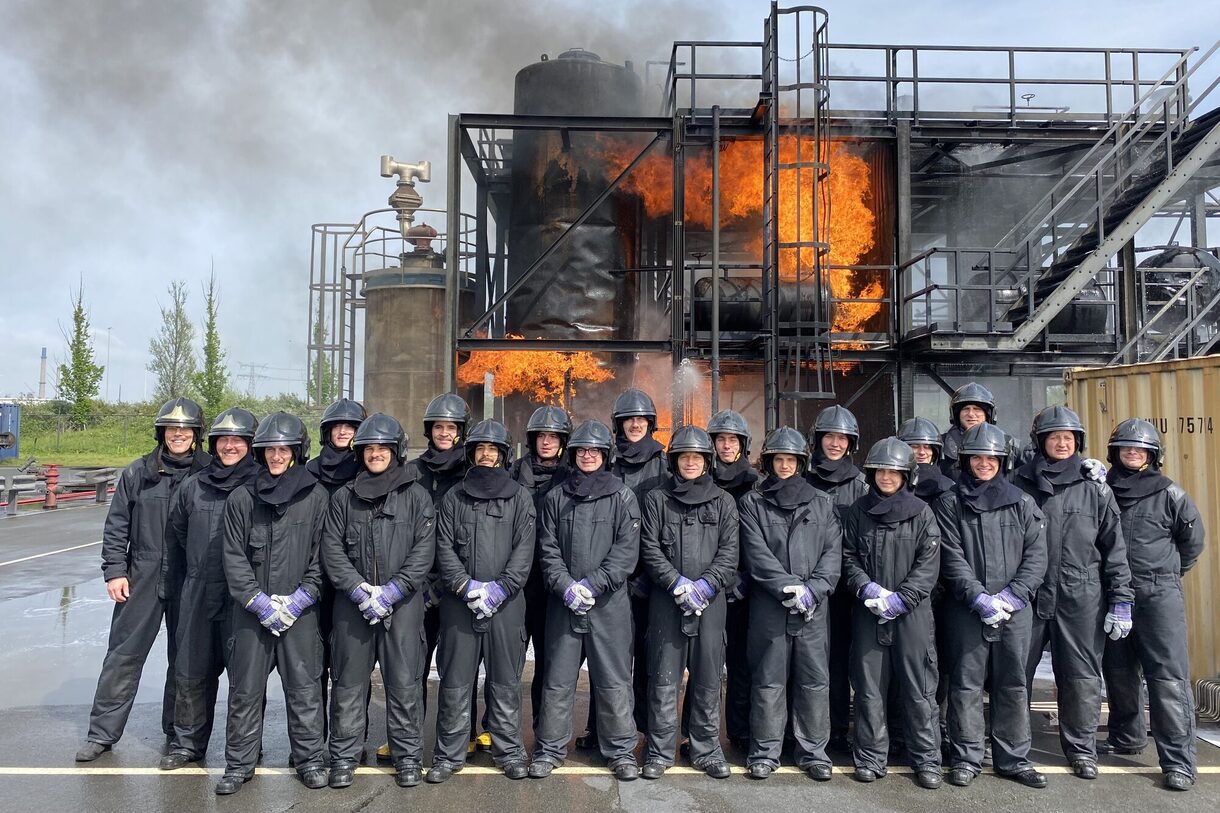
<point x="1182" y="398"/>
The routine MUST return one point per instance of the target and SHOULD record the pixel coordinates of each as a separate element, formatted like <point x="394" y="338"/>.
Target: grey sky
<point x="142" y="140"/>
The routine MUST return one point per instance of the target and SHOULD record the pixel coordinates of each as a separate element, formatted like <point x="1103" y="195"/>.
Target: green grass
<point x="108" y="444"/>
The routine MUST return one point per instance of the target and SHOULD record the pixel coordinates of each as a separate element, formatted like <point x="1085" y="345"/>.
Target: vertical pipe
<point x="715" y="259"/>
<point x="453" y="217"/>
<point x="677" y="285"/>
<point x="317" y="338"/>
<point x="1128" y="301"/>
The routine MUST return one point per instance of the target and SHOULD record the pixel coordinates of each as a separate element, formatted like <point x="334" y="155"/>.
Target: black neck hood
<point x="334" y="467"/>
<point x="226" y="478"/>
<point x="787" y="494"/>
<point x="639" y="452"/>
<point x="374" y="487"/>
<point x="488" y="483"/>
<point x="987" y="495"/>
<point x="834" y="471"/>
<point x="898" y="507"/>
<point x="1047" y="474"/>
<point x="448" y="463"/>
<point x="693" y="492"/>
<point x="736" y="475"/>
<point x="591" y="485"/>
<point x="279" y="491"/>
<point x="1131" y="486"/>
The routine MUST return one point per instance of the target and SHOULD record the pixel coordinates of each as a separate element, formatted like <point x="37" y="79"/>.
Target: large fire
<point x="540" y="374"/>
<point x="847" y="220"/>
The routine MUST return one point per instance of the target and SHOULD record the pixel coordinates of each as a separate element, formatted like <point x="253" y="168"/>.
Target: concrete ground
<point x="55" y="617"/>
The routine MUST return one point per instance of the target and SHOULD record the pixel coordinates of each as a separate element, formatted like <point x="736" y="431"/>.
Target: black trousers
<point x="134" y="627"/>
<point x="737" y="689"/>
<point x="976" y="651"/>
<point x="203" y="637"/>
<point x="841" y="601"/>
<point x="500" y="642"/>
<point x="606" y="644"/>
<point x="356" y="648"/>
<point x="297" y="656"/>
<point x="1155" y="649"/>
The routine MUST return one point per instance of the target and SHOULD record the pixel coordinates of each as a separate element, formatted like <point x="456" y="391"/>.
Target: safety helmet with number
<point x="182" y="412"/>
<point x="1140" y="434"/>
<point x="281" y="429"/>
<point x="383" y="429"/>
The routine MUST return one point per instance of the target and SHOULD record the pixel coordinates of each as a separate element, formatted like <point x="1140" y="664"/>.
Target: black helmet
<point x="1140" y="434"/>
<point x="691" y="439"/>
<point x="234" y="423"/>
<point x="835" y="419"/>
<point x="984" y="439"/>
<point x="281" y="429"/>
<point x="492" y="432"/>
<point x="922" y="430"/>
<point x="631" y="403"/>
<point x="446" y="407"/>
<point x="972" y="393"/>
<point x="726" y="421"/>
<point x="178" y="412"/>
<point x="590" y="435"/>
<point x="892" y="453"/>
<point x="1055" y="419"/>
<point x="784" y="440"/>
<point x="344" y="410"/>
<point x="383" y="429"/>
<point x="548" y="419"/>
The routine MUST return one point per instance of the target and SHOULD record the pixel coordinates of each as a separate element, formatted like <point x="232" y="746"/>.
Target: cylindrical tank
<point x="580" y="291"/>
<point x="10" y="431"/>
<point x="404" y="343"/>
<point x="741" y="305"/>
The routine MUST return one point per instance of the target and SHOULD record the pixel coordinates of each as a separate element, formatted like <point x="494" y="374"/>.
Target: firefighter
<point x="732" y="471"/>
<point x="832" y="440"/>
<point x="924" y="438"/>
<point x="891" y="561"/>
<point x="194" y="537"/>
<point x="588" y="544"/>
<point x="1165" y="537"/>
<point x="1086" y="579"/>
<point x="377" y="548"/>
<point x="335" y="466"/>
<point x="993" y="560"/>
<point x="484" y="549"/>
<point x="272" y="566"/>
<point x="639" y="461"/>
<point x="689" y="548"/>
<point x="793" y="545"/>
<point x="136" y="568"/>
<point x="540" y="470"/>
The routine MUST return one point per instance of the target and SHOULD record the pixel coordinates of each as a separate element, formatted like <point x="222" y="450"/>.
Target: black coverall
<point x="488" y="540"/>
<point x="377" y="542"/>
<point x="984" y="553"/>
<point x="698" y="541"/>
<point x="737" y="622"/>
<point x="596" y="539"/>
<point x="275" y="551"/>
<point x="641" y="479"/>
<point x="133" y="547"/>
<point x="843" y="494"/>
<point x="1086" y="572"/>
<point x="895" y="658"/>
<point x="785" y="547"/>
<point x="538" y="480"/>
<point x="1165" y="537"/>
<point x="195" y="539"/>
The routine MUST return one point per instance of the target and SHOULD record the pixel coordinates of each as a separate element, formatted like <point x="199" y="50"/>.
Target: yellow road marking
<point x="478" y="770"/>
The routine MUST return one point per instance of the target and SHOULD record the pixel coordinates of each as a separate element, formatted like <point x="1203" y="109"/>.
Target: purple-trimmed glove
<point x="1008" y="598"/>
<point x="579" y="598"/>
<point x="872" y="590"/>
<point x="888" y="607"/>
<point x="291" y="606"/>
<point x="362" y="596"/>
<point x="741" y="586"/>
<point x="1118" y="621"/>
<point x="991" y="611"/>
<point x="472" y="589"/>
<point x="487" y="600"/>
<point x="686" y="597"/>
<point x="702" y="592"/>
<point x="800" y="600"/>
<point x="267" y="613"/>
<point x="381" y="602"/>
<point x="1093" y="469"/>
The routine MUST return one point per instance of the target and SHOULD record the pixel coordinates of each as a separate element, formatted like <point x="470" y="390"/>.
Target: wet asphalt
<point x="55" y="616"/>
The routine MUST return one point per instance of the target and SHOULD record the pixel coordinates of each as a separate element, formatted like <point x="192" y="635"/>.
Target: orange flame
<point x="537" y="373"/>
<point x="848" y="221"/>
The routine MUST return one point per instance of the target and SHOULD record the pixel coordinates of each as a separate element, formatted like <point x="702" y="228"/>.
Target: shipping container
<point x="1182" y="398"/>
<point x="10" y="431"/>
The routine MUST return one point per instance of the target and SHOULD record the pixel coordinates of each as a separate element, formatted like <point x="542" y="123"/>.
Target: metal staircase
<point x="1142" y="163"/>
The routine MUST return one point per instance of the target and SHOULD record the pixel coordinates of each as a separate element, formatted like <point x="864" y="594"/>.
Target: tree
<point x="212" y="382"/>
<point x="80" y="377"/>
<point x="322" y="386"/>
<point x="173" y="360"/>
